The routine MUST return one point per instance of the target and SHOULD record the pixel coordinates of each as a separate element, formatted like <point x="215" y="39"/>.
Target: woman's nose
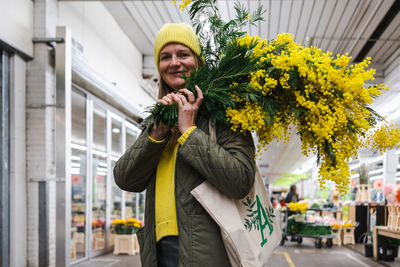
<point x="175" y="61"/>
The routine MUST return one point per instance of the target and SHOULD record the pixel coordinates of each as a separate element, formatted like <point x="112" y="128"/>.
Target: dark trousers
<point x="168" y="252"/>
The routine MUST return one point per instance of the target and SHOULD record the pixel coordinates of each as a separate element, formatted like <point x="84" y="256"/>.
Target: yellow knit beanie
<point x="176" y="33"/>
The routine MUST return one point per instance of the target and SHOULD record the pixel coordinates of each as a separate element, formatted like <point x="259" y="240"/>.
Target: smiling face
<point x="175" y="58"/>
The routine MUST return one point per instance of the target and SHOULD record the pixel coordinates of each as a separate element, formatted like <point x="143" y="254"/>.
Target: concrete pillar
<point x="18" y="198"/>
<point x="40" y="148"/>
<point x="389" y="167"/>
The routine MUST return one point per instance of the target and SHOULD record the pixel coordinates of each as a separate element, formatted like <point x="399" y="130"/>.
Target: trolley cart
<point x="297" y="237"/>
<point x="318" y="239"/>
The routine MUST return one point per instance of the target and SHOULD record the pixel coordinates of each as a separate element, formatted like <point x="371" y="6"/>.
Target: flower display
<point x="297" y="218"/>
<point x="277" y="87"/>
<point x="98" y="223"/>
<point x="392" y="193"/>
<point x="378" y="184"/>
<point x="397" y="195"/>
<point x="337" y="225"/>
<point x="348" y="225"/>
<point x="127" y="226"/>
<point x="297" y="225"/>
<point x="388" y="189"/>
<point x="297" y="206"/>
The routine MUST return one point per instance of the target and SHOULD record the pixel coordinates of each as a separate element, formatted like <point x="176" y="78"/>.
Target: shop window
<point x="116" y="151"/>
<point x="99" y="200"/>
<point x="130" y="205"/>
<point x="99" y="129"/>
<point x="142" y="197"/>
<point x="116" y="198"/>
<point x="131" y="136"/>
<point x="78" y="118"/>
<point x="99" y="179"/>
<point x="116" y="133"/>
<point x="78" y="174"/>
<point x="89" y="195"/>
<point x="131" y="199"/>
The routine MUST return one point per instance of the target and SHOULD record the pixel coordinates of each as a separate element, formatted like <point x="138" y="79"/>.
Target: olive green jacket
<point x="228" y="165"/>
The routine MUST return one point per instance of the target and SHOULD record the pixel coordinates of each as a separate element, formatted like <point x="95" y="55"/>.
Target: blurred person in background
<point x="292" y="196"/>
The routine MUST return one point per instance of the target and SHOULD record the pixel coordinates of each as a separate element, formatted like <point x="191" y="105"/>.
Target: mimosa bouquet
<point x="275" y="87"/>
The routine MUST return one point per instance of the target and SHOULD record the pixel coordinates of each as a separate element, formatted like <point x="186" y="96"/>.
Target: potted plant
<point x="365" y="188"/>
<point x="388" y="250"/>
<point x="125" y="238"/>
<point x="368" y="247"/>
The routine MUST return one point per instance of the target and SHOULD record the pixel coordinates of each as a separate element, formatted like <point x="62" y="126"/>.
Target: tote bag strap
<point x="212" y="132"/>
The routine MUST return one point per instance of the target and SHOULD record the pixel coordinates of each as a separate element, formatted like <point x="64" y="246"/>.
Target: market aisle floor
<point x="289" y="255"/>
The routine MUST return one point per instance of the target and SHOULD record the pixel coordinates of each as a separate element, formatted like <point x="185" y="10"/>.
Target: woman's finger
<point x="182" y="98"/>
<point x="162" y="101"/>
<point x="165" y="100"/>
<point x="189" y="94"/>
<point x="178" y="100"/>
<point x="169" y="98"/>
<point x="200" y="96"/>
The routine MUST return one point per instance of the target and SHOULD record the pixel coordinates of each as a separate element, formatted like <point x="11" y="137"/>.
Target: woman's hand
<point x="160" y="131"/>
<point x="188" y="108"/>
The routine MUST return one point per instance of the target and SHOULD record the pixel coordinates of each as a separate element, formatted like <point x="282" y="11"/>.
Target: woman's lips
<point x="177" y="73"/>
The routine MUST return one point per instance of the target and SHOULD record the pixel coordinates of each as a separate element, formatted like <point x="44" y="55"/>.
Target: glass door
<point x="99" y="197"/>
<point x="131" y="199"/>
<point x="99" y="135"/>
<point x="99" y="180"/>
<point x="78" y="175"/>
<point x="116" y="152"/>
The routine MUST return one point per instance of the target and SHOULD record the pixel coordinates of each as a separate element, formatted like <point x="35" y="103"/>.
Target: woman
<point x="169" y="163"/>
<point x="292" y="196"/>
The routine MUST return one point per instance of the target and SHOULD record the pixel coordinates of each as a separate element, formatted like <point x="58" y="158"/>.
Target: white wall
<point x="16" y="24"/>
<point x="106" y="48"/>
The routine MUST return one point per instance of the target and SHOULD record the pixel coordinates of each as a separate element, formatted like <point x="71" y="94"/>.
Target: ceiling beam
<point x="352" y="26"/>
<point x="387" y="19"/>
<point x="366" y="26"/>
<point x="308" y="23"/>
<point x="298" y="21"/>
<point x="337" y="25"/>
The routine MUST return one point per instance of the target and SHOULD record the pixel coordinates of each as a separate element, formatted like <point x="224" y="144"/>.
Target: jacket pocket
<point x="140" y="237"/>
<point x="207" y="247"/>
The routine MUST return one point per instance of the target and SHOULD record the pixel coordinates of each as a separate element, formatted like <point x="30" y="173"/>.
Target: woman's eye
<point x="184" y="55"/>
<point x="165" y="57"/>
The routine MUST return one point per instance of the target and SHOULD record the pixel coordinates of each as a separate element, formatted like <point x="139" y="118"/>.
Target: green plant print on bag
<point x="255" y="219"/>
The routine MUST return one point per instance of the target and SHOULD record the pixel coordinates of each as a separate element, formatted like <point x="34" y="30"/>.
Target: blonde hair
<point x="163" y="90"/>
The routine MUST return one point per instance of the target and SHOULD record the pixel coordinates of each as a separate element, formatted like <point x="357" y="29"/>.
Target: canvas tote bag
<point x="249" y="227"/>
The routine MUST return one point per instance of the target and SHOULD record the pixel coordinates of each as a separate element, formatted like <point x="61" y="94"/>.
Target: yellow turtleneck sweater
<point x="166" y="222"/>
